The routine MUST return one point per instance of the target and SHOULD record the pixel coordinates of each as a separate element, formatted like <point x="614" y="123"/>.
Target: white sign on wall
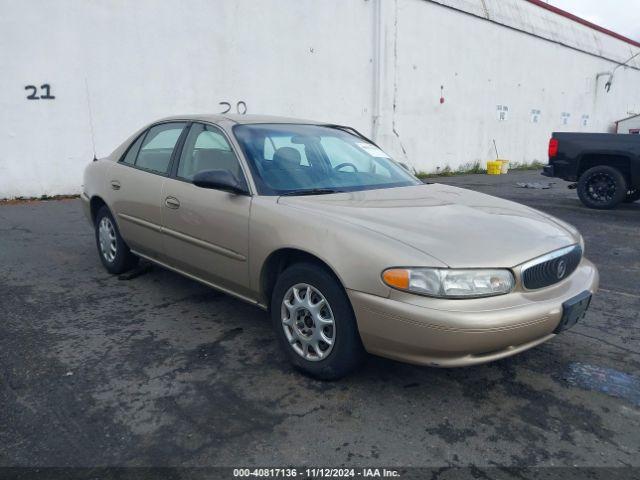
<point x="585" y="120"/>
<point x="502" y="112"/>
<point x="535" y="116"/>
<point x="564" y="118"/>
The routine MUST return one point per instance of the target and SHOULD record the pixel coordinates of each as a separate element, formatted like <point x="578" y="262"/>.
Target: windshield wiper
<point x="310" y="191"/>
<point x="350" y="130"/>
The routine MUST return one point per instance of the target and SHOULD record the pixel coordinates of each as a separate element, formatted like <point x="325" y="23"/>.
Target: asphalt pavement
<point x="160" y="370"/>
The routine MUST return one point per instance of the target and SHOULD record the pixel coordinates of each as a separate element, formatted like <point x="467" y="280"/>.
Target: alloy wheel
<point x="107" y="239"/>
<point x="308" y="323"/>
<point x="601" y="187"/>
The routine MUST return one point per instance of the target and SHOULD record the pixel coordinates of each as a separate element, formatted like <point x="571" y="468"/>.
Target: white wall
<point x="482" y="65"/>
<point x="114" y="65"/>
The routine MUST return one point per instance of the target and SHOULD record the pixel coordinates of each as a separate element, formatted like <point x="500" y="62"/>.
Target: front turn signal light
<point x="397" y="278"/>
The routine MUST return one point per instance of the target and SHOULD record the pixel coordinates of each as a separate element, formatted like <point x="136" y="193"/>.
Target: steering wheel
<point x="346" y="164"/>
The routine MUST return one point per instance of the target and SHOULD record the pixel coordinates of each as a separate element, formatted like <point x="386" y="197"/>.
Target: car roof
<point x="241" y="119"/>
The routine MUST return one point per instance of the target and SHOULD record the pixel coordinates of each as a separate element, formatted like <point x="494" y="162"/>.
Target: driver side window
<point x="206" y="148"/>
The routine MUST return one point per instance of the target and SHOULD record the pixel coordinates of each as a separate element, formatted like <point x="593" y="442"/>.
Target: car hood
<point x="459" y="227"/>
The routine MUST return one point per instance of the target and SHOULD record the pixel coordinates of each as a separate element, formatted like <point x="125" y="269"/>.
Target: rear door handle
<point x="172" y="202"/>
<point x="115" y="184"/>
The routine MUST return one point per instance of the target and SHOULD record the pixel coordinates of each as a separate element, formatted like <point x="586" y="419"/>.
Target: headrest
<point x="287" y="157"/>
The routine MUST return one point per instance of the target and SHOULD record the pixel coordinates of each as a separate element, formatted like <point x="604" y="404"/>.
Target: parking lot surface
<point x="160" y="370"/>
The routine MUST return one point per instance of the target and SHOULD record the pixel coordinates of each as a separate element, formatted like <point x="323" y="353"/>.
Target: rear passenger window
<point x="132" y="153"/>
<point x="206" y="148"/>
<point x="158" y="146"/>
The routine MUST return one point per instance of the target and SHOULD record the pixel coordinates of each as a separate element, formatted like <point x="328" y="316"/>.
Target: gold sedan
<point x="347" y="250"/>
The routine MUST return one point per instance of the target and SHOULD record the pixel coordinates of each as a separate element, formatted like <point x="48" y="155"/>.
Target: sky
<point x="621" y="16"/>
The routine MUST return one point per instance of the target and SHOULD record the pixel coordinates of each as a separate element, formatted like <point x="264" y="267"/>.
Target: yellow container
<point x="494" y="167"/>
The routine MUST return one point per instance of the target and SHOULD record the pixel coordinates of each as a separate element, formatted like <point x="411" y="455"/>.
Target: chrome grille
<point x="551" y="268"/>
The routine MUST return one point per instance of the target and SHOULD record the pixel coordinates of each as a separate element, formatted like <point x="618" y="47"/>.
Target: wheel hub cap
<point x="304" y="322"/>
<point x="307" y="321"/>
<point x="107" y="239"/>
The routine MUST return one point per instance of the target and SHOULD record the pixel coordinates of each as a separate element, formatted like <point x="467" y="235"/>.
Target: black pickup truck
<point x="605" y="166"/>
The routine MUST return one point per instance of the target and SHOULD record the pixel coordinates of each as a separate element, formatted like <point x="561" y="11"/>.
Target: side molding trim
<point x="140" y="222"/>
<point x="186" y="238"/>
<point x="206" y="245"/>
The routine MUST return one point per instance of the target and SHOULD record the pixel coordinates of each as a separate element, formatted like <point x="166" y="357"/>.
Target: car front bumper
<point x="456" y="333"/>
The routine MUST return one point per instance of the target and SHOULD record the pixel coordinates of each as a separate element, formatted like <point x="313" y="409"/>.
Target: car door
<point x="206" y="231"/>
<point x="136" y="182"/>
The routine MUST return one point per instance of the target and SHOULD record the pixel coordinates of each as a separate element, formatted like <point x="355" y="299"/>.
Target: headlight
<point x="450" y="283"/>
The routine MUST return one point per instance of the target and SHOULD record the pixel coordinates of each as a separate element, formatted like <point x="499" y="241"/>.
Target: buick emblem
<point x="562" y="269"/>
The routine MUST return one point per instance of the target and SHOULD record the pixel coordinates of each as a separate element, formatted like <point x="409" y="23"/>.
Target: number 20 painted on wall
<point x="241" y="107"/>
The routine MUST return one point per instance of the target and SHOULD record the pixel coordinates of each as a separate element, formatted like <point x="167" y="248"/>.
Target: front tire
<point x="314" y="322"/>
<point x="602" y="187"/>
<point x="113" y="251"/>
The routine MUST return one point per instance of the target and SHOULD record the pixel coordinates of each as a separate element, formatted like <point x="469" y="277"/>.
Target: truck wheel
<point x="602" y="187"/>
<point x="633" y="195"/>
<point x="114" y="253"/>
<point x="314" y="322"/>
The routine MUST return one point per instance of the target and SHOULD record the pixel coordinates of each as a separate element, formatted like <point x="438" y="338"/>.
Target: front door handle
<point x="115" y="184"/>
<point x="172" y="202"/>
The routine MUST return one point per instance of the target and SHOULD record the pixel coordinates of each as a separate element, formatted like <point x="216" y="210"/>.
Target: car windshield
<point x="292" y="159"/>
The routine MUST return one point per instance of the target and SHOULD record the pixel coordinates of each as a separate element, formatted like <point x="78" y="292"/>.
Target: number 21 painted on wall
<point x="45" y="88"/>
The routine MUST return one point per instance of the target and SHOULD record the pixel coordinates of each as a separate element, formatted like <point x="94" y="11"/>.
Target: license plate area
<point x="573" y="310"/>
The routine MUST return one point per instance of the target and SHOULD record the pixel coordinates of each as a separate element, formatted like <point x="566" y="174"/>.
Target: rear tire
<point x="112" y="250"/>
<point x="602" y="187"/>
<point x="329" y="311"/>
<point x="633" y="195"/>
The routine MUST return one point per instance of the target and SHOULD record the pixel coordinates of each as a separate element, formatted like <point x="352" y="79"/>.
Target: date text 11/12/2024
<point x="315" y="473"/>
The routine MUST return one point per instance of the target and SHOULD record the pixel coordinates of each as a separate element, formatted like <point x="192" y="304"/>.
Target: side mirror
<point x="219" y="180"/>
